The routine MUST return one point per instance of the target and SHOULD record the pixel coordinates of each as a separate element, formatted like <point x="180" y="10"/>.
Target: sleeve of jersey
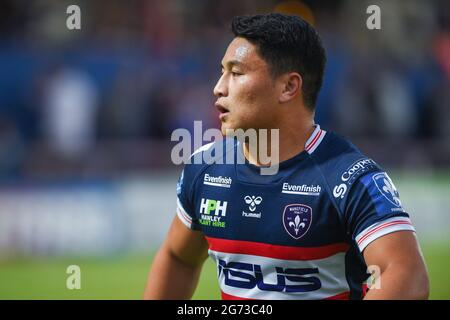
<point x="185" y="209"/>
<point x="374" y="209"/>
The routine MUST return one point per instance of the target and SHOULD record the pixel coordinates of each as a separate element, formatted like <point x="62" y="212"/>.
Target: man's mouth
<point x="223" y="111"/>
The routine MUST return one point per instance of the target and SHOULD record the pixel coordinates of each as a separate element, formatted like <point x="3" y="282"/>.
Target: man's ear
<point x="291" y="86"/>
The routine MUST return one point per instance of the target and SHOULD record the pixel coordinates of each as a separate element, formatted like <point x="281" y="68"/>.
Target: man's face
<point x="247" y="96"/>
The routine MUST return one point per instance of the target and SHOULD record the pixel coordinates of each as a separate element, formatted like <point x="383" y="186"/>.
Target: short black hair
<point x="288" y="44"/>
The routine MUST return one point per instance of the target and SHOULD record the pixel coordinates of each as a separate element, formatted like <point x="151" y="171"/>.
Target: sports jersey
<point x="297" y="234"/>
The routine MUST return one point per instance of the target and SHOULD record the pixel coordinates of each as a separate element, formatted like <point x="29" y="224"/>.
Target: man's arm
<point x="403" y="271"/>
<point x="176" y="267"/>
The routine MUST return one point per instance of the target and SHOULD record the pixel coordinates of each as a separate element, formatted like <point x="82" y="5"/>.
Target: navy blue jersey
<point x="298" y="234"/>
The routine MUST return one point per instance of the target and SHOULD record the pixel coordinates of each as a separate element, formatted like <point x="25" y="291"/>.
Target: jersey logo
<point x="212" y="212"/>
<point x="208" y="206"/>
<point x="224" y="182"/>
<point x="387" y="188"/>
<point x="305" y="190"/>
<point x="252" y="202"/>
<point x="340" y="190"/>
<point x="349" y="176"/>
<point x="297" y="219"/>
<point x="248" y="276"/>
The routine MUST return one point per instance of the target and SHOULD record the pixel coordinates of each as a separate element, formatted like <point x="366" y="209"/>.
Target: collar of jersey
<point x="251" y="173"/>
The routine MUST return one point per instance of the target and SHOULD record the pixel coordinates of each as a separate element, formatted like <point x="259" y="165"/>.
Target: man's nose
<point x="220" y="90"/>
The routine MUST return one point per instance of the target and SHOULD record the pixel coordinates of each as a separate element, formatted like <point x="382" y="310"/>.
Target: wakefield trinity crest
<point x="297" y="219"/>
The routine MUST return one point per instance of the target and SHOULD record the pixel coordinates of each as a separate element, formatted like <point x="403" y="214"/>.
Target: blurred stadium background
<point x="86" y="118"/>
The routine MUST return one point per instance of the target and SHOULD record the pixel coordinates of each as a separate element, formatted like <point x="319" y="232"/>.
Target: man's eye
<point x="234" y="73"/>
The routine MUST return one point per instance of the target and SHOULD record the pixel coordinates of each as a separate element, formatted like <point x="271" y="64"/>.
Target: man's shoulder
<point x="210" y="154"/>
<point x="342" y="163"/>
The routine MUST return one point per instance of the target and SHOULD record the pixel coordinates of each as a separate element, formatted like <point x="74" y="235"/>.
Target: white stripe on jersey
<point x="382" y="228"/>
<point x="317" y="143"/>
<point x="315" y="139"/>
<point x="182" y="214"/>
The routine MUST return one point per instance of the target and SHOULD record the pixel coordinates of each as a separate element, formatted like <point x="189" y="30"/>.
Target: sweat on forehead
<point x="241" y="51"/>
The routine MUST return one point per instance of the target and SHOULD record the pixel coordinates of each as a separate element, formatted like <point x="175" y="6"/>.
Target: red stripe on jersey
<point x="382" y="226"/>
<point x="311" y="144"/>
<point x="340" y="296"/>
<point x="275" y="251"/>
<point x="185" y="215"/>
<point x="365" y="289"/>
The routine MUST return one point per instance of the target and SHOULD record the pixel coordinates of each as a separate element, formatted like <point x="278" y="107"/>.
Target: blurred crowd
<point x="139" y="69"/>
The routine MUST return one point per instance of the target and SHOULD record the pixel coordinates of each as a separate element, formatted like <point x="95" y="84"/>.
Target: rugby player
<point x="313" y="229"/>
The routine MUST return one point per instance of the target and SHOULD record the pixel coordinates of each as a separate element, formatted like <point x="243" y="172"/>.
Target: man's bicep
<point x="185" y="244"/>
<point x="402" y="270"/>
<point x="400" y="247"/>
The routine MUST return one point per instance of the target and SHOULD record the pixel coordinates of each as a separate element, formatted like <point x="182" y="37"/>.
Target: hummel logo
<point x="252" y="202"/>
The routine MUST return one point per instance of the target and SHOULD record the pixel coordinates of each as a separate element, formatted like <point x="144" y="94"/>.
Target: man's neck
<point x="292" y="140"/>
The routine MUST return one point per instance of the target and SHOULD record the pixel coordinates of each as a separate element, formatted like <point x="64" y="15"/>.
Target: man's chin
<point x="226" y="129"/>
<point x="232" y="130"/>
